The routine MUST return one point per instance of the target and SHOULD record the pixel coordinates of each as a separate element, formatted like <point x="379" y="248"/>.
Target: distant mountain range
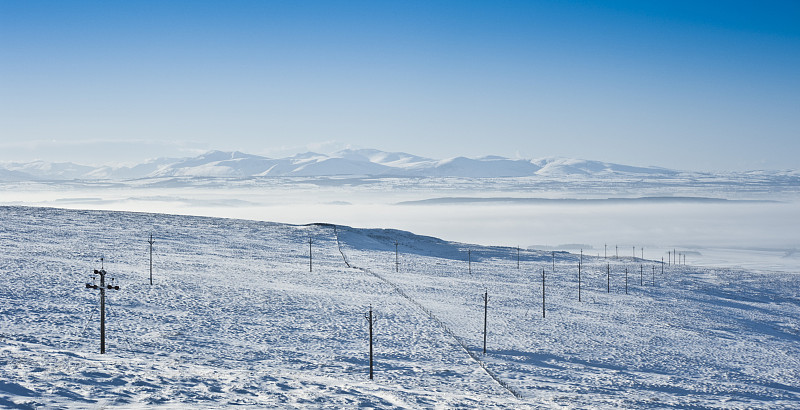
<point x="361" y="162"/>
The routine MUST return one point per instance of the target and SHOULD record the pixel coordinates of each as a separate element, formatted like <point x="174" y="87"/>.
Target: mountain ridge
<point x="348" y="162"/>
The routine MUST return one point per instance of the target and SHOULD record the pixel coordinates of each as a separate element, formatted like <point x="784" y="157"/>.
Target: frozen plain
<point x="235" y="317"/>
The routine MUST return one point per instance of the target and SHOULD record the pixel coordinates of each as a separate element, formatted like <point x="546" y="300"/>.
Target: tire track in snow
<point x="433" y="317"/>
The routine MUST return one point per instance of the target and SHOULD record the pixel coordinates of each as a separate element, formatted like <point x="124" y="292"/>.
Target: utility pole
<point x="309" y="253"/>
<point x="469" y="262"/>
<point x="151" y="258"/>
<point x="669" y="257"/>
<point x="517" y="257"/>
<point x="641" y="276"/>
<point x="368" y="316"/>
<point x="626" y="280"/>
<point x="485" y="315"/>
<point x="608" y="278"/>
<point x="396" y="258"/>
<point x="102" y="288"/>
<point x="580" y="262"/>
<point x="616" y="252"/>
<point x="542" y="293"/>
<point x="605" y="251"/>
<point x="642" y="252"/>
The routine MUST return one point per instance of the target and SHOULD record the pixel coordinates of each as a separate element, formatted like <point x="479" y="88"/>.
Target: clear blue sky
<point x="682" y="84"/>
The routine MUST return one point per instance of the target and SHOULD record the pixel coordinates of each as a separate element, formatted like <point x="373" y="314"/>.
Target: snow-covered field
<point x="235" y="317"/>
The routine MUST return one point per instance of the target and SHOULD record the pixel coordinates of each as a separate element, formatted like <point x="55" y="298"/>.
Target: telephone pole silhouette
<point x="102" y="289"/>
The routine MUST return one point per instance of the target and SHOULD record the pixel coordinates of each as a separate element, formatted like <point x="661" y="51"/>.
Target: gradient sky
<point x="704" y="85"/>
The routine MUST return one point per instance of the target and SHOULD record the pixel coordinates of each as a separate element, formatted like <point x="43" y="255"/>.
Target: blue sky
<point x="707" y="85"/>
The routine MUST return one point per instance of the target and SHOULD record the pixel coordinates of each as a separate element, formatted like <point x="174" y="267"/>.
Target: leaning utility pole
<point x="102" y="288"/>
<point x="151" y="258"/>
<point x="368" y="316"/>
<point x="485" y="315"/>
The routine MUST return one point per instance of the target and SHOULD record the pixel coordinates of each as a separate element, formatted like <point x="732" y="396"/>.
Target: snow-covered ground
<point x="235" y="317"/>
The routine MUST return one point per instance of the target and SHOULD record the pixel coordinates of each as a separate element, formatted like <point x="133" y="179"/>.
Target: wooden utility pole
<point x="368" y="316"/>
<point x="580" y="262"/>
<point x="485" y="317"/>
<point x="542" y="293"/>
<point x="626" y="280"/>
<point x="396" y="258"/>
<point x="102" y="288"/>
<point x="608" y="278"/>
<point x="151" y="258"/>
<point x="641" y="276"/>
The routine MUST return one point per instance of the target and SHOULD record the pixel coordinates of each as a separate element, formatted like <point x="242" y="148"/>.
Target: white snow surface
<point x="234" y="317"/>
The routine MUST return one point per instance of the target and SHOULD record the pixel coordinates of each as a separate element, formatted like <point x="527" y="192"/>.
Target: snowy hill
<point x="235" y="318"/>
<point x="363" y="162"/>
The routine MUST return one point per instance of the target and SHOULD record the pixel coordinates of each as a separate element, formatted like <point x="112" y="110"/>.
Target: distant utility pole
<point x="368" y="316"/>
<point x="309" y="253"/>
<point x="669" y="257"/>
<point x="608" y="278"/>
<point x="642" y="252"/>
<point x="485" y="316"/>
<point x="517" y="257"/>
<point x="151" y="241"/>
<point x="542" y="293"/>
<point x="616" y="251"/>
<point x="396" y="258"/>
<point x="102" y="288"/>
<point x="626" y="280"/>
<point x="641" y="276"/>
<point x="580" y="262"/>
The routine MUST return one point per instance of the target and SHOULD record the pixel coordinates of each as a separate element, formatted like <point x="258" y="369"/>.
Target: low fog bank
<point x="758" y="233"/>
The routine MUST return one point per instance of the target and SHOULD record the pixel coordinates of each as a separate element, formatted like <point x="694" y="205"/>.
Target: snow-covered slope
<point x="235" y="318"/>
<point x="363" y="162"/>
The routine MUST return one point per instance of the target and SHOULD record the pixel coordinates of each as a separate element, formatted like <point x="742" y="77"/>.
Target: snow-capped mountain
<point x="362" y="162"/>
